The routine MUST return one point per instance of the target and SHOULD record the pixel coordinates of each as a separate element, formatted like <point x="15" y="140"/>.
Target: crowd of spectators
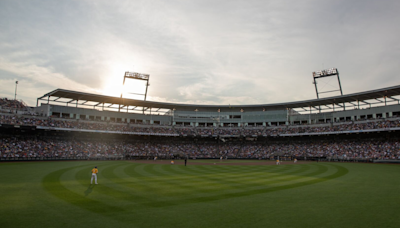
<point x="8" y="104"/>
<point x="351" y="126"/>
<point x="29" y="148"/>
<point x="52" y="148"/>
<point x="202" y="131"/>
<point x="208" y="150"/>
<point x="185" y="131"/>
<point x="77" y="124"/>
<point x="344" y="149"/>
<point x="253" y="131"/>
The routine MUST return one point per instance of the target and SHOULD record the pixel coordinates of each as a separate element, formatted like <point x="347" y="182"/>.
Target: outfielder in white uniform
<point x="94" y="175"/>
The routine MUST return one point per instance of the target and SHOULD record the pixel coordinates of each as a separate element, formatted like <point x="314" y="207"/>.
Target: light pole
<point x="196" y="124"/>
<point x="241" y="116"/>
<point x="219" y="117"/>
<point x="173" y="116"/>
<point x="15" y="95"/>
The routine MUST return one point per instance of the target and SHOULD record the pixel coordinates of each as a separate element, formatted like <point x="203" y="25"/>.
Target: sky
<point x="198" y="52"/>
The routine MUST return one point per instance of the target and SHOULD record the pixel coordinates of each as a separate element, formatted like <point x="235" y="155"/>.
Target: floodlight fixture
<point x="326" y="73"/>
<point x="137" y="76"/>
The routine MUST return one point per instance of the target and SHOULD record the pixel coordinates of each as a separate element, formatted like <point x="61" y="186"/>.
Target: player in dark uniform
<point x="185" y="161"/>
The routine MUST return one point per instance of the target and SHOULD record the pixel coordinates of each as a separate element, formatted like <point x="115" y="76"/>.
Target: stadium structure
<point x="260" y="131"/>
<point x="380" y="103"/>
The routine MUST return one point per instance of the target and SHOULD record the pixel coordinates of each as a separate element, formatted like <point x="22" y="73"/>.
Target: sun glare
<point x="113" y="85"/>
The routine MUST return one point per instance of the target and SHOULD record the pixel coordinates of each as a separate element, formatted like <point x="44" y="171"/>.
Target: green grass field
<point x="59" y="194"/>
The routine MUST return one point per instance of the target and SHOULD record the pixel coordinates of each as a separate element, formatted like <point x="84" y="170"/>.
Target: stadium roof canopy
<point x="81" y="98"/>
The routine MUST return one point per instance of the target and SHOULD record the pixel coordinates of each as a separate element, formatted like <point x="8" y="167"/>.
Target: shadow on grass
<point x="89" y="190"/>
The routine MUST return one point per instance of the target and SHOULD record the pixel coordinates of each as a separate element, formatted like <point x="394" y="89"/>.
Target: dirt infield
<point x="216" y="162"/>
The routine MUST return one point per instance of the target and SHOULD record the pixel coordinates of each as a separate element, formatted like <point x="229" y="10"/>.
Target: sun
<point x="112" y="84"/>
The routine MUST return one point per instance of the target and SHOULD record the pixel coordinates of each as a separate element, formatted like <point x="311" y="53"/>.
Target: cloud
<point x="200" y="51"/>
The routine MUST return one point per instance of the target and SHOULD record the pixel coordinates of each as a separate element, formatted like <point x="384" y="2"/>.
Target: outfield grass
<point x="59" y="194"/>
<point x="225" y="161"/>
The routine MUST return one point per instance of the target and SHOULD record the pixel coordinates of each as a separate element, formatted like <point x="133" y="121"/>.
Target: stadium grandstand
<point x="68" y="124"/>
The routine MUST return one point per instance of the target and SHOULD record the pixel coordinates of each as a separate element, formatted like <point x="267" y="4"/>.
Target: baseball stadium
<point x="78" y="159"/>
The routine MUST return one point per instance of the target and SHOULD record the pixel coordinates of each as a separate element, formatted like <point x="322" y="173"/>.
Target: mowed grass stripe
<point x="300" y="177"/>
<point x="340" y="172"/>
<point x="161" y="201"/>
<point x="222" y="181"/>
<point x="105" y="191"/>
<point x="138" y="190"/>
<point x="245" y="187"/>
<point x="239" y="176"/>
<point x="237" y="172"/>
<point x="131" y="183"/>
<point x="184" y="173"/>
<point x="51" y="183"/>
<point x="260" y="180"/>
<point x="161" y="187"/>
<point x="242" y="190"/>
<point x="244" y="183"/>
<point x="124" y="187"/>
<point x="109" y="194"/>
<point x="173" y="178"/>
<point x="228" y="168"/>
<point x="78" y="179"/>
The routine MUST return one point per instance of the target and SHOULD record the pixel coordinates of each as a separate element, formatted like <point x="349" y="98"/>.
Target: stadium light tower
<point x="15" y="94"/>
<point x="137" y="76"/>
<point x="323" y="74"/>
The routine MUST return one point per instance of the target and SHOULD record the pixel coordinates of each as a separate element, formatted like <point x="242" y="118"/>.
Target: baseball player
<point x="94" y="175"/>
